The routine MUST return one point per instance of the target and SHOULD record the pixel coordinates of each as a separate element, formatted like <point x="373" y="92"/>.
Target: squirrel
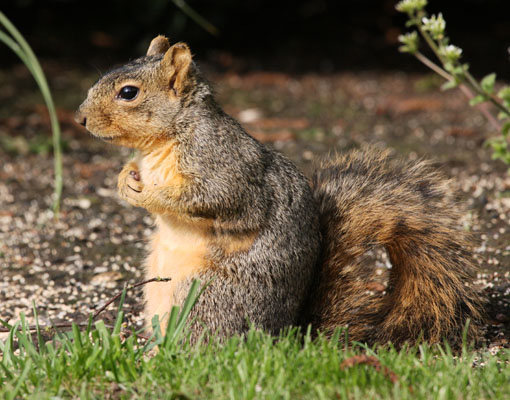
<point x="275" y="249"/>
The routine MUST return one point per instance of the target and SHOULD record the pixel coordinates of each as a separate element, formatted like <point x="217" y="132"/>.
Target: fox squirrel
<point x="277" y="252"/>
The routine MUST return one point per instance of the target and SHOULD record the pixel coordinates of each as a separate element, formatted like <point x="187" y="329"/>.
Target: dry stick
<point x="82" y="324"/>
<point x="467" y="92"/>
<point x="156" y="279"/>
<point x="46" y="327"/>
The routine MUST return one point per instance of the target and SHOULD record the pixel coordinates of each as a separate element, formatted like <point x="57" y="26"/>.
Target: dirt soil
<point x="69" y="267"/>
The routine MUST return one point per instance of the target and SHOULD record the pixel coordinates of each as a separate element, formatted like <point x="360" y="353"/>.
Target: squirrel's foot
<point x="130" y="186"/>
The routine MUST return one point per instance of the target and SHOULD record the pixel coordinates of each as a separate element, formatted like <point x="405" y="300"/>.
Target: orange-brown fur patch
<point x="237" y="243"/>
<point x="160" y="167"/>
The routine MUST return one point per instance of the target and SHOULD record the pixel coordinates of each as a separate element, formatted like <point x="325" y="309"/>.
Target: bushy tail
<point x="368" y="199"/>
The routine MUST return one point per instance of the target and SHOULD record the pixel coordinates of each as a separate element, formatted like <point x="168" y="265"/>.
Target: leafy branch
<point x="432" y="29"/>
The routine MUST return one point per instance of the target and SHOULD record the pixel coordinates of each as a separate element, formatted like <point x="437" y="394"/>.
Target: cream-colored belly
<point x="178" y="252"/>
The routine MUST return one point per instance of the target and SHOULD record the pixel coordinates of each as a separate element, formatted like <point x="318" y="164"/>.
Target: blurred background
<point x="290" y="36"/>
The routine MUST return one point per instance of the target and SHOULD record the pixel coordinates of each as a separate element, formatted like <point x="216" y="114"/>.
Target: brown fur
<point x="367" y="199"/>
<point x="238" y="215"/>
<point x="230" y="244"/>
<point x="159" y="45"/>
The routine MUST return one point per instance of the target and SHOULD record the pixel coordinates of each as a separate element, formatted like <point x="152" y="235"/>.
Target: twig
<point x="94" y="316"/>
<point x="156" y="279"/>
<point x="48" y="327"/>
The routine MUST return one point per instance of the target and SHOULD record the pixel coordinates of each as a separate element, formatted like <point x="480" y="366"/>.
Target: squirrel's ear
<point x="176" y="64"/>
<point x="159" y="45"/>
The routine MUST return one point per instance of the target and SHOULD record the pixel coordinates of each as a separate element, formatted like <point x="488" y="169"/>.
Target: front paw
<point x="130" y="185"/>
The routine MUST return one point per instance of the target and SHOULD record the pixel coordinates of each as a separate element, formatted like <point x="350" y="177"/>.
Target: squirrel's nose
<point x="80" y="119"/>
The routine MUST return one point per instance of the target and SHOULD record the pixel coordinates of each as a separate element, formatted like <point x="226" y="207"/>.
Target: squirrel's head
<point x="135" y="105"/>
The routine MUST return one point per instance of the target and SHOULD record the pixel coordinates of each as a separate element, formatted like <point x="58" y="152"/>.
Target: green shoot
<point x="15" y="41"/>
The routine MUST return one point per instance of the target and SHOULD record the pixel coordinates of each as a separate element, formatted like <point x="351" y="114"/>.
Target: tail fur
<point x="367" y="199"/>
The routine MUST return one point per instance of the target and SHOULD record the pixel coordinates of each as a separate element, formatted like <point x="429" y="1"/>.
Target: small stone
<point x="84" y="204"/>
<point x="249" y="115"/>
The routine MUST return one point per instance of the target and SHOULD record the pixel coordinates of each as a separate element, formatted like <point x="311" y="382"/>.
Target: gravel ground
<point x="69" y="267"/>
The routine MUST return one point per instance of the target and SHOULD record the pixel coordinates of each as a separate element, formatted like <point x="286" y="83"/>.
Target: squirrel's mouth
<point x="105" y="138"/>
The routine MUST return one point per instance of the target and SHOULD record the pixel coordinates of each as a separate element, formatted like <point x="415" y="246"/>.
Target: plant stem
<point x="434" y="67"/>
<point x="467" y="92"/>
<point x="482" y="107"/>
<point x="429" y="41"/>
<point x="480" y="91"/>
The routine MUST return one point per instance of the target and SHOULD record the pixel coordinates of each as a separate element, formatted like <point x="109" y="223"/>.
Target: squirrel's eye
<point x="128" y="93"/>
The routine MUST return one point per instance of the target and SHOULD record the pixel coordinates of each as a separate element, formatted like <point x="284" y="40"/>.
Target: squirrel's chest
<point x="160" y="167"/>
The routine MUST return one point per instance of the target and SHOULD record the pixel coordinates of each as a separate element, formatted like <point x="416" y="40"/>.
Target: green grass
<point x="290" y="366"/>
<point x="99" y="362"/>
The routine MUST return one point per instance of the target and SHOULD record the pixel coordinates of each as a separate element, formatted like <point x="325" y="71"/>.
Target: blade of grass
<point x="190" y="301"/>
<point x="40" y="341"/>
<point x="170" y="328"/>
<point x="104" y="334"/>
<point x="8" y="373"/>
<point x="30" y="60"/>
<point x="120" y="313"/>
<point x="16" y="49"/>
<point x="92" y="358"/>
<point x="199" y="20"/>
<point x="152" y="342"/>
<point x="21" y="380"/>
<point x="25" y="339"/>
<point x="77" y="338"/>
<point x="8" y="350"/>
